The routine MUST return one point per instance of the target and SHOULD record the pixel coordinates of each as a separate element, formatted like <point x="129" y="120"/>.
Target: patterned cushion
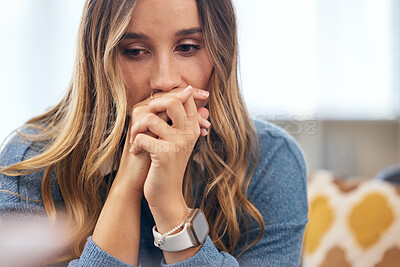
<point x="352" y="222"/>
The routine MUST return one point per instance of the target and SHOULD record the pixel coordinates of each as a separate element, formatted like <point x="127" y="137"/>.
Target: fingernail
<point x="204" y="93"/>
<point x="131" y="149"/>
<point x="187" y="89"/>
<point x="206" y="123"/>
<point x="203" y="132"/>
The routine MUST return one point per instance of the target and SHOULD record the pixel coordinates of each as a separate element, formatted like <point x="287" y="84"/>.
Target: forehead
<point x="164" y="16"/>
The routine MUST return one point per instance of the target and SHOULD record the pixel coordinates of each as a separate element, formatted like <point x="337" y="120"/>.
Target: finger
<point x="182" y="96"/>
<point x="204" y="123"/>
<point x="200" y="97"/>
<point x="138" y="113"/>
<point x="147" y="143"/>
<point x="155" y="125"/>
<point x="203" y="132"/>
<point x="191" y="111"/>
<point x="203" y="112"/>
<point x="173" y="107"/>
<point x="198" y="94"/>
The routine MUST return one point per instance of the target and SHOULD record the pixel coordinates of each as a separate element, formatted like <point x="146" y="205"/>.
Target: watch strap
<point x="175" y="242"/>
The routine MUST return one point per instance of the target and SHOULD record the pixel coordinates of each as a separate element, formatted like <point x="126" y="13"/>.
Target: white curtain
<point x="318" y="58"/>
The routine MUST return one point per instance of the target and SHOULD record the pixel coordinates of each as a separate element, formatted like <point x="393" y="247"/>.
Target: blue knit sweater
<point x="277" y="189"/>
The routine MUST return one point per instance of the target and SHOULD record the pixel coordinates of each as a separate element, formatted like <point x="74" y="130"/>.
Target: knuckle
<point x="152" y="104"/>
<point x="151" y="118"/>
<point x="137" y="111"/>
<point x="173" y="101"/>
<point x="134" y="128"/>
<point x="196" y="130"/>
<point x="176" y="99"/>
<point x="139" y="138"/>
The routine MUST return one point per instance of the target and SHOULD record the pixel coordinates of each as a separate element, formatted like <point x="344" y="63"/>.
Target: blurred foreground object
<point x="31" y="243"/>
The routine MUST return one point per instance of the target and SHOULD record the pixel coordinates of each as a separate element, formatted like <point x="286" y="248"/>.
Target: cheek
<point x="130" y="76"/>
<point x="199" y="74"/>
<point x="129" y="85"/>
<point x="207" y="71"/>
<point x="134" y="84"/>
<point x="204" y="74"/>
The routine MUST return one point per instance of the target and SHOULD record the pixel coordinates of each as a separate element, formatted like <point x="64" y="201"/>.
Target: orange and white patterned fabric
<point x="352" y="222"/>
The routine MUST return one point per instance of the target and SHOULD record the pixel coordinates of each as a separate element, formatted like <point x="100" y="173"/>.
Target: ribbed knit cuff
<point x="94" y="256"/>
<point x="208" y="255"/>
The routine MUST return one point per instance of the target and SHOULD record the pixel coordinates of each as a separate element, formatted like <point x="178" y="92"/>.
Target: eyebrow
<point x="141" y="36"/>
<point x="188" y="32"/>
<point x="133" y="35"/>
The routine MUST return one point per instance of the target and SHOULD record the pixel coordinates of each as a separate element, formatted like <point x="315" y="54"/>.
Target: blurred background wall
<point x="326" y="71"/>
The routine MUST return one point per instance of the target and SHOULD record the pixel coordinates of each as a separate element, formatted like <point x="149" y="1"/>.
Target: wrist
<point x="124" y="188"/>
<point x="169" y="216"/>
<point x="185" y="243"/>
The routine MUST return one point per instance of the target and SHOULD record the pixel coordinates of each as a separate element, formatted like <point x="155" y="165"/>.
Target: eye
<point x="135" y="52"/>
<point x="187" y="49"/>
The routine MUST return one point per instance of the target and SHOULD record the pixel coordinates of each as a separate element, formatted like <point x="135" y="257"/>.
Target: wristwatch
<point x="195" y="231"/>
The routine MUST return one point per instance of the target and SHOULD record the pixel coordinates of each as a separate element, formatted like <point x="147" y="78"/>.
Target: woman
<point x="131" y="160"/>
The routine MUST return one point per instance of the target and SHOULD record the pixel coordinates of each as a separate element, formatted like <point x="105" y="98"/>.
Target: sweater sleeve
<point x="278" y="190"/>
<point x="24" y="227"/>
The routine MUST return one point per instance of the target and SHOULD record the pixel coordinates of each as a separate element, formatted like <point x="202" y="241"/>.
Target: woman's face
<point x="164" y="49"/>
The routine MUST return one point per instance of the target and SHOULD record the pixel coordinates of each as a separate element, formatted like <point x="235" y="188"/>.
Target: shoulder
<point x="273" y="141"/>
<point x="278" y="190"/>
<point x="278" y="185"/>
<point x="15" y="149"/>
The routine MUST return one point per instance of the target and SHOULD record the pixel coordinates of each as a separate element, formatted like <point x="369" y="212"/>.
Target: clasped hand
<point x="161" y="148"/>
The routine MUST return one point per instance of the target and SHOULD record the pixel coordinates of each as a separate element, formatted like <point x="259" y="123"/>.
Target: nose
<point x="165" y="74"/>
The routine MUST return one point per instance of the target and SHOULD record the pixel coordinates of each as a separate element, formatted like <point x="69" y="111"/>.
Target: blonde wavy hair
<point x="88" y="127"/>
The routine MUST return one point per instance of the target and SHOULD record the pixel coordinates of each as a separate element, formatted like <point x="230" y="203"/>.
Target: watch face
<point x="200" y="227"/>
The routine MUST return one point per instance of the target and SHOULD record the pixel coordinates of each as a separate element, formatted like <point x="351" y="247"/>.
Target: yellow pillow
<point x="352" y="222"/>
